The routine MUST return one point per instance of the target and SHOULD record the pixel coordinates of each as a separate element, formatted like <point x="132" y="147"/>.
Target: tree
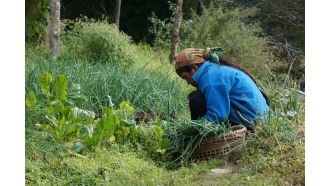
<point x="117" y="12"/>
<point x="54" y="35"/>
<point x="176" y="30"/>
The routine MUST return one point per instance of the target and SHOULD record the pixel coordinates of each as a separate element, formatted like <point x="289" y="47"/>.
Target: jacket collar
<point x="201" y="71"/>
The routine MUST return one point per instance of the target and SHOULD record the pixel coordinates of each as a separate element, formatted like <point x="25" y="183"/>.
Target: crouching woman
<point x="225" y="91"/>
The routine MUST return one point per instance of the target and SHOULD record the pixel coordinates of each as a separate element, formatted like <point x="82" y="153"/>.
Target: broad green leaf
<point x="51" y="110"/>
<point x="69" y="129"/>
<point x="108" y="111"/>
<point x="90" y="130"/>
<point x="159" y="132"/>
<point x="54" y="102"/>
<point x="74" y="94"/>
<point x="82" y="116"/>
<point x="127" y="123"/>
<point x="54" y="122"/>
<point x="66" y="112"/>
<point x="165" y="143"/>
<point x="45" y="82"/>
<point x="126" y="106"/>
<point x="56" y="107"/>
<point x="60" y="129"/>
<point x="162" y="151"/>
<point x="60" y="88"/>
<point x="109" y="126"/>
<point x="31" y="100"/>
<point x="48" y="128"/>
<point x="105" y="128"/>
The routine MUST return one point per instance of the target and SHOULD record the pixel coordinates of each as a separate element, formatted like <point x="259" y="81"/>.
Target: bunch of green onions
<point x="186" y="135"/>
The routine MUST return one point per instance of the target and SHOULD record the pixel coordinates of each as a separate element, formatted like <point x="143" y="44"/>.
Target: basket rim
<point x="236" y="132"/>
<point x="204" y="150"/>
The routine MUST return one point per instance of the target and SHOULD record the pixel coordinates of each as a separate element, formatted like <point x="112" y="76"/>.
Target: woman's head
<point x="187" y="63"/>
<point x="189" y="56"/>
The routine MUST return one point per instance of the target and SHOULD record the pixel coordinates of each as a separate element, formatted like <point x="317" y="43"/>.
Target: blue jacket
<point x="230" y="94"/>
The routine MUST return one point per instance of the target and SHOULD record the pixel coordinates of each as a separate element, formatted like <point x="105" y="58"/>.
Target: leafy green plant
<point x="67" y="121"/>
<point x="164" y="142"/>
<point x="114" y="125"/>
<point x="64" y="119"/>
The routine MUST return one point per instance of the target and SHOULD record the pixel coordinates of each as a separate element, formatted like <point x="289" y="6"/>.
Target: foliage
<point x="147" y="142"/>
<point x="162" y="29"/>
<point x="69" y="123"/>
<point x="98" y="41"/>
<point x="283" y="22"/>
<point x="113" y="126"/>
<point x="133" y="18"/>
<point x="138" y="27"/>
<point x="279" y="145"/>
<point x="63" y="118"/>
<point x="134" y="154"/>
<point x="281" y="19"/>
<point x="164" y="142"/>
<point x="217" y="27"/>
<point x="286" y="118"/>
<point x="37" y="15"/>
<point x="144" y="87"/>
<point x="227" y="29"/>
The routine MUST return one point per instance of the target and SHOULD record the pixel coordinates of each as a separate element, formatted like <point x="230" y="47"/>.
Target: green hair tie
<point x="214" y="57"/>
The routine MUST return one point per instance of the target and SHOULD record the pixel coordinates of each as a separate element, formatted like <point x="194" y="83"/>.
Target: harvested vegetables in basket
<point x="189" y="139"/>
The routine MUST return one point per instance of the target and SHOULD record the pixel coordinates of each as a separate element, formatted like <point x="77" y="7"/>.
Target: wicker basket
<point x="223" y="145"/>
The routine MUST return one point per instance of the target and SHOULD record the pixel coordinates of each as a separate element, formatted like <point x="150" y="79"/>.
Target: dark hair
<point x="227" y="61"/>
<point x="188" y="68"/>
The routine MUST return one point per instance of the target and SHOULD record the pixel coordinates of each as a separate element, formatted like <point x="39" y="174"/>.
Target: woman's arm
<point x="218" y="103"/>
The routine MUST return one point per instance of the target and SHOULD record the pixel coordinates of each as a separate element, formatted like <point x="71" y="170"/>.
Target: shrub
<point x="218" y="28"/>
<point x="98" y="41"/>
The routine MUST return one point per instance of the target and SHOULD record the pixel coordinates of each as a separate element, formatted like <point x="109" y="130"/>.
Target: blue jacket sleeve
<point x="218" y="103"/>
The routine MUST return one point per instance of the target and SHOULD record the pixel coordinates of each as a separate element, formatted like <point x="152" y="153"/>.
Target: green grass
<point x="103" y="167"/>
<point x="145" y="88"/>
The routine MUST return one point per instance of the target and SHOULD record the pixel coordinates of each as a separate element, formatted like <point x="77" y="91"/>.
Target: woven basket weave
<point x="223" y="145"/>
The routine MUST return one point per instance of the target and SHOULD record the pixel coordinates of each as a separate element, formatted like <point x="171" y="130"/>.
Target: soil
<point x="228" y="168"/>
<point x="150" y="115"/>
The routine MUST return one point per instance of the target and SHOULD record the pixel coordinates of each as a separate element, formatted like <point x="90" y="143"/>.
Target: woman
<point x="225" y="91"/>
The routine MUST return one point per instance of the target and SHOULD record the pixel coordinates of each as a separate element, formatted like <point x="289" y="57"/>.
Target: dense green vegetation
<point x="282" y="22"/>
<point x="80" y="127"/>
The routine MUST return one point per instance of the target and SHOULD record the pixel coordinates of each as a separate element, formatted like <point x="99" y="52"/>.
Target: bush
<point x="216" y="28"/>
<point x="98" y="41"/>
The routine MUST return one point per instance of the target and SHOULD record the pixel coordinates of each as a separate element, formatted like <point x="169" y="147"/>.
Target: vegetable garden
<point x="81" y="119"/>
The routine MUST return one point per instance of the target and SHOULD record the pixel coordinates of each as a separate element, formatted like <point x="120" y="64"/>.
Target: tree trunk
<point x="54" y="35"/>
<point x="176" y="30"/>
<point x="117" y="12"/>
<point x="200" y="8"/>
